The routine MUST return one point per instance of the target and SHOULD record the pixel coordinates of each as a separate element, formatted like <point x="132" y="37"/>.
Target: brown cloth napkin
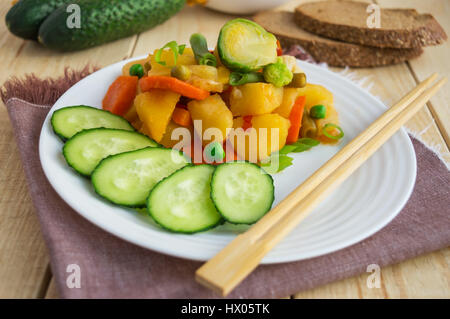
<point x="112" y="268"/>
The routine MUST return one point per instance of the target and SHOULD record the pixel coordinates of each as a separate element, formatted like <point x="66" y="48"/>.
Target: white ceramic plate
<point x="361" y="206"/>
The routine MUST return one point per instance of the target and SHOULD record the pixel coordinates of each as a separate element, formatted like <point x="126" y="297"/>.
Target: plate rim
<point x="174" y="252"/>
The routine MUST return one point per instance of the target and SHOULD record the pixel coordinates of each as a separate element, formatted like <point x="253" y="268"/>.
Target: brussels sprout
<point x="245" y="46"/>
<point x="277" y="73"/>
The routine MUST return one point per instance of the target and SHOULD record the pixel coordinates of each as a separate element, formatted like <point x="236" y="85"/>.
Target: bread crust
<point x="334" y="53"/>
<point x="417" y="30"/>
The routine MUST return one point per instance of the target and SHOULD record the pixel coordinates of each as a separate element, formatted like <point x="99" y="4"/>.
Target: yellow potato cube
<point x="185" y="138"/>
<point x="155" y="109"/>
<point x="289" y="97"/>
<point x="267" y="135"/>
<point x="316" y="94"/>
<point x="223" y="74"/>
<point x="213" y="114"/>
<point x="187" y="58"/>
<point x="205" y="77"/>
<point x="205" y="72"/>
<point x="255" y="99"/>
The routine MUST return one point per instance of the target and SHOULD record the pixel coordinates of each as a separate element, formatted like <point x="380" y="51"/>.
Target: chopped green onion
<point x="201" y="51"/>
<point x="176" y="49"/>
<point x="318" y="111"/>
<point x="334" y="137"/>
<point x="181" y="48"/>
<point x="208" y="59"/>
<point x="237" y="78"/>
<point x="137" y="70"/>
<point x="214" y="152"/>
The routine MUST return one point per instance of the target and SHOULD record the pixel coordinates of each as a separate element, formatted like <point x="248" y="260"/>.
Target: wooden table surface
<point x="24" y="261"/>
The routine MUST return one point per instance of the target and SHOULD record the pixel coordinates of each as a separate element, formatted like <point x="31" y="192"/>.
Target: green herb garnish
<point x="283" y="162"/>
<point x="176" y="49"/>
<point x="301" y="145"/>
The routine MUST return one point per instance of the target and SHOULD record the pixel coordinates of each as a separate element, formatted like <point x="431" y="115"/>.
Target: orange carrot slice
<point x="120" y="95"/>
<point x="295" y="117"/>
<point x="182" y="117"/>
<point x="247" y="122"/>
<point x="170" y="83"/>
<point x="279" y="49"/>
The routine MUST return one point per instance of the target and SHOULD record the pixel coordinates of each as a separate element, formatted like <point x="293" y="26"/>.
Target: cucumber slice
<point x="181" y="202"/>
<point x="68" y="121"/>
<point x="127" y="178"/>
<point x="242" y="192"/>
<point x="87" y="148"/>
<point x="245" y="46"/>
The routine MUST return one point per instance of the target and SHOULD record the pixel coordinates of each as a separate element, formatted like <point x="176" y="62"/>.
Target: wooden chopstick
<point x="230" y="266"/>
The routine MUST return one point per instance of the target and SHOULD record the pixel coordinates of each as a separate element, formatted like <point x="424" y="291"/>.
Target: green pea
<point x="137" y="70"/>
<point x="318" y="111"/>
<point x="181" y="72"/>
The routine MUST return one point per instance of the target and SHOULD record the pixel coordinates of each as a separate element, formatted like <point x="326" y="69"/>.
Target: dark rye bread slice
<point x="347" y="21"/>
<point x="335" y="53"/>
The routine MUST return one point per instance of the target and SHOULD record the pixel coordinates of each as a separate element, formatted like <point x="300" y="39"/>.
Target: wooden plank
<point x="389" y="84"/>
<point x="194" y="20"/>
<point x="434" y="58"/>
<point x="421" y="277"/>
<point x="21" y="57"/>
<point x="52" y="292"/>
<point x="23" y="256"/>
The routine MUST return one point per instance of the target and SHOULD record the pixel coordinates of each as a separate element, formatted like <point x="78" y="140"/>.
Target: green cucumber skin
<point x="26" y="16"/>
<point x="83" y="132"/>
<point x="219" y="222"/>
<point x="65" y="138"/>
<point x="212" y="191"/>
<point x="103" y="21"/>
<point x="106" y="159"/>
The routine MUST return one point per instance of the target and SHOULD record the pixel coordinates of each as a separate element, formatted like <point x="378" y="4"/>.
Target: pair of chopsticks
<point x="237" y="260"/>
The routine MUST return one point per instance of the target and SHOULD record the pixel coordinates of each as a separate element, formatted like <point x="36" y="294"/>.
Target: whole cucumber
<point x="26" y="16"/>
<point x="103" y="21"/>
